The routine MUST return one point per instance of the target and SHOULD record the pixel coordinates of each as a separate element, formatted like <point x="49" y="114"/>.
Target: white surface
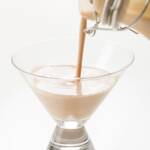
<point x="123" y="121"/>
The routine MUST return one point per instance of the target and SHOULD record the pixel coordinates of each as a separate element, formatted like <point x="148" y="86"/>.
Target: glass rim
<point x="76" y="78"/>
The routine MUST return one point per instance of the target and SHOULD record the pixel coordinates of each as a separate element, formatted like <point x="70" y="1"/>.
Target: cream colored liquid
<point x="74" y="100"/>
<point x="82" y="38"/>
<point x="61" y="98"/>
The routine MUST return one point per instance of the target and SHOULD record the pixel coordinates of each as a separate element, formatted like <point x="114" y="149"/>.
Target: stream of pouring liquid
<point x="82" y="37"/>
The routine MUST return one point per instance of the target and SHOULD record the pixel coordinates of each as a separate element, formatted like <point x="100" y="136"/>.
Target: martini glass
<point x="49" y="68"/>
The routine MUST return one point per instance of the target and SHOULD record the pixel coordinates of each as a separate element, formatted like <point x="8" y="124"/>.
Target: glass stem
<point x="69" y="137"/>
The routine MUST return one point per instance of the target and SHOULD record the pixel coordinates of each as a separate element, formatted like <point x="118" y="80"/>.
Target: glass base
<point x="72" y="139"/>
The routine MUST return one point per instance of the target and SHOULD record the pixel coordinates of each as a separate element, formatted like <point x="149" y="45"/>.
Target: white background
<point x="123" y="122"/>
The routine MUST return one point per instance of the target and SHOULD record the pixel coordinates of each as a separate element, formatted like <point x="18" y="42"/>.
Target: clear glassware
<point x="49" y="69"/>
<point x="108" y="14"/>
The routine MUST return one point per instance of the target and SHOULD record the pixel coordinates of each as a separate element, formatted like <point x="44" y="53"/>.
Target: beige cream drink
<point x="73" y="100"/>
<point x="70" y="107"/>
<point x="82" y="38"/>
<point x="61" y="98"/>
